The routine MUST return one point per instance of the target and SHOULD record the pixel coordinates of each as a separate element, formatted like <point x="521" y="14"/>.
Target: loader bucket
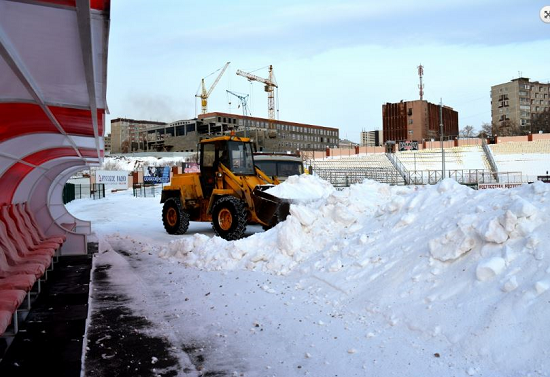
<point x="269" y="208"/>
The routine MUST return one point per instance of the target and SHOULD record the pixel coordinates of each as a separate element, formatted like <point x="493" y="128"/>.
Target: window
<point x="240" y="158"/>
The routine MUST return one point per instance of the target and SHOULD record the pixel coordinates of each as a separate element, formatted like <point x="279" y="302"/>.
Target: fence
<point x="344" y="178"/>
<point x="145" y="190"/>
<point x="73" y="191"/>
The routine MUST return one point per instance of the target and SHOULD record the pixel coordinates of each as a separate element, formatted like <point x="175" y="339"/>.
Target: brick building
<point x="417" y="120"/>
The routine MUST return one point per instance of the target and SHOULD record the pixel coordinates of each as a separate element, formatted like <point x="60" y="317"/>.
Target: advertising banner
<point x="486" y="186"/>
<point x="191" y="167"/>
<point x="408" y="145"/>
<point x="112" y="178"/>
<point x="156" y="174"/>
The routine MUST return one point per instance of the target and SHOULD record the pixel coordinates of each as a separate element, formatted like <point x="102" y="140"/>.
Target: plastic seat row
<point x="26" y="254"/>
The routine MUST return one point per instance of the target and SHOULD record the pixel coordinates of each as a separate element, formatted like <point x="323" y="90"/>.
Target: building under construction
<point x="184" y="135"/>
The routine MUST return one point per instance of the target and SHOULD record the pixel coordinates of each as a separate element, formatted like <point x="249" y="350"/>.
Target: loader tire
<point x="174" y="218"/>
<point x="229" y="218"/>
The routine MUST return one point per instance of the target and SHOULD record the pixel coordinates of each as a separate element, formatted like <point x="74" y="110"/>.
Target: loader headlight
<point x="219" y="175"/>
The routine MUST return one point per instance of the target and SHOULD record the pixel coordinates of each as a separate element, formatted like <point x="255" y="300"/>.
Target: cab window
<point x="240" y="158"/>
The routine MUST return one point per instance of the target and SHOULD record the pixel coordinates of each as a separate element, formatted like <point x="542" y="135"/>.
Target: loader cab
<point x="234" y="154"/>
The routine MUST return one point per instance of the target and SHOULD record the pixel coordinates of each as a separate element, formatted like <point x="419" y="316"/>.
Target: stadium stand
<point x="529" y="159"/>
<point x="342" y="172"/>
<point x="457" y="158"/>
<point x="513" y="161"/>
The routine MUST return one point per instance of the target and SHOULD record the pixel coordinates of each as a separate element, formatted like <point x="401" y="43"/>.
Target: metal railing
<point x="490" y="158"/>
<point x="146" y="190"/>
<point x="398" y="165"/>
<point x="340" y="178"/>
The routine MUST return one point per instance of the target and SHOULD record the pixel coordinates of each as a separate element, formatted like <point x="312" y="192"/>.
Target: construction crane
<point x="244" y="105"/>
<point x="270" y="85"/>
<point x="205" y="94"/>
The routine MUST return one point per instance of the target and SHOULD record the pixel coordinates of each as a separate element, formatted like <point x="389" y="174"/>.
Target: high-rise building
<point x="518" y="102"/>
<point x="417" y="120"/>
<point x="372" y="138"/>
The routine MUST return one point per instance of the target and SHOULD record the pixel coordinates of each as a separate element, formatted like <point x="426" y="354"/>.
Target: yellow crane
<point x="205" y="94"/>
<point x="270" y="85"/>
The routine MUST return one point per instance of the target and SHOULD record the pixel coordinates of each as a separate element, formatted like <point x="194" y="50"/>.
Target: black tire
<point x="229" y="218"/>
<point x="174" y="218"/>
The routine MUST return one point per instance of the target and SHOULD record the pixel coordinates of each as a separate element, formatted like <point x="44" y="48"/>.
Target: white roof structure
<point x="53" y="75"/>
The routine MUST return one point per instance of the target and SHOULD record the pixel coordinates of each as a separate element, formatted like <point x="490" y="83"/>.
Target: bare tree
<point x="541" y="122"/>
<point x="467" y="131"/>
<point x="487" y="130"/>
<point x="125" y="146"/>
<point x="508" y="128"/>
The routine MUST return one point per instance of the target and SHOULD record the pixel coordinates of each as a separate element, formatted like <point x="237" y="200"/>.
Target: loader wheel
<point x="174" y="218"/>
<point x="229" y="218"/>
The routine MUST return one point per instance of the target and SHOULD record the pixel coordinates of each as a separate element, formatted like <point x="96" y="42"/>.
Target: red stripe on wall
<point x="18" y="119"/>
<point x="11" y="178"/>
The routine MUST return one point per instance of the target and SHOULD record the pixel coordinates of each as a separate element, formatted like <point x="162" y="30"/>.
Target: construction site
<point x="270" y="134"/>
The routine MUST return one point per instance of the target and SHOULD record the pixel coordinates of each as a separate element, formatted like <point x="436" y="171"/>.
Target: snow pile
<point x="312" y="226"/>
<point x="351" y="222"/>
<point x="303" y="188"/>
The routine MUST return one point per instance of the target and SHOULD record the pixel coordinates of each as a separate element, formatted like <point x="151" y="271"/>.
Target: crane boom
<point x="252" y="77"/>
<point x="270" y="84"/>
<point x="205" y="94"/>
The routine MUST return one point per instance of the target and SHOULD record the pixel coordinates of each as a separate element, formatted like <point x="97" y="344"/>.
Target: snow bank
<point x="447" y="220"/>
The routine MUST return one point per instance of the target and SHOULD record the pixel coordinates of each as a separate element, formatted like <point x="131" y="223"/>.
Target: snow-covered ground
<point x="370" y="281"/>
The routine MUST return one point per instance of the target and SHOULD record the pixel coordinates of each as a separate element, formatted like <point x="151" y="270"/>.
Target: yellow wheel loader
<point x="229" y="191"/>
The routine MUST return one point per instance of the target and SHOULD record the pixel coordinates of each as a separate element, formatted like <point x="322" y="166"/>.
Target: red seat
<point x="24" y="224"/>
<point x="5" y="320"/>
<point x="36" y="269"/>
<point x="17" y="253"/>
<point x="21" y="238"/>
<point x="11" y="299"/>
<point x="43" y="237"/>
<point x="24" y="282"/>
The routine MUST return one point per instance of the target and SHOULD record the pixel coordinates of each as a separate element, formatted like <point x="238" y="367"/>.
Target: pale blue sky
<point x="336" y="63"/>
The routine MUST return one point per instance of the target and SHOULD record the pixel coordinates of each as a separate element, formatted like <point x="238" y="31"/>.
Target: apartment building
<point x="518" y="102"/>
<point x="372" y="138"/>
